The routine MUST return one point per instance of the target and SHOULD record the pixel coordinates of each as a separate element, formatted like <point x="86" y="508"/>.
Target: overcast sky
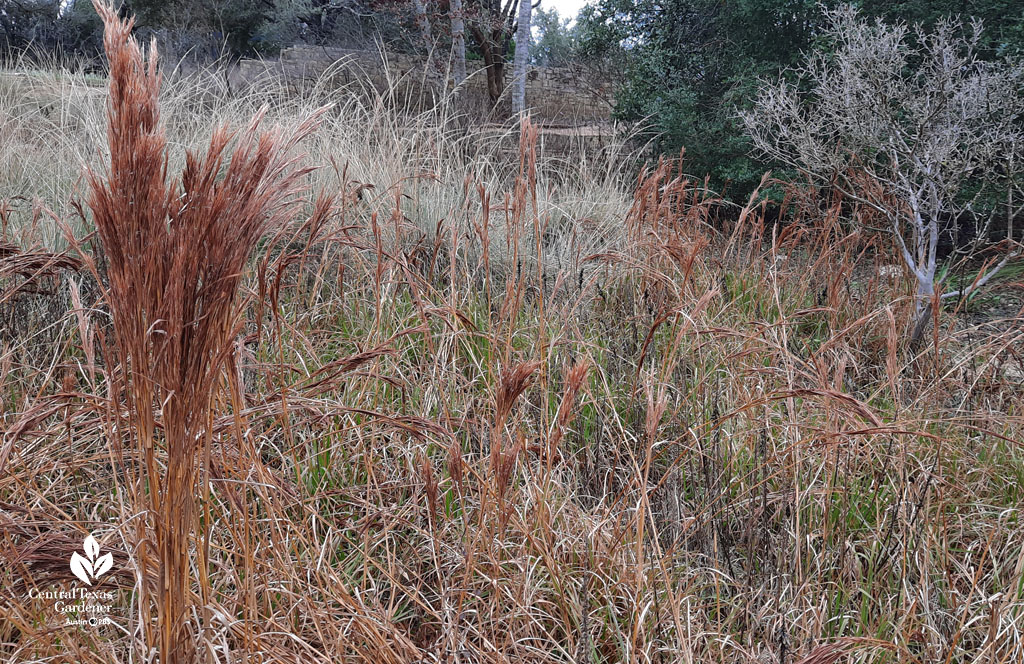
<point x="566" y="8"/>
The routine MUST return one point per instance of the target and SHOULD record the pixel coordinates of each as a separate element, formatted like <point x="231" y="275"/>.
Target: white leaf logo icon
<point x="92" y="547"/>
<point x="92" y="565"/>
<point x="103" y="565"/>
<point x="81" y="568"/>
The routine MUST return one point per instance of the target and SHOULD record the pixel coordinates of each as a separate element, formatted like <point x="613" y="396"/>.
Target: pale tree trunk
<point x="458" y="40"/>
<point x="925" y="268"/>
<point x="923" y="304"/>
<point x="1011" y="170"/>
<point x="924" y="236"/>
<point x="423" y="23"/>
<point x="522" y="57"/>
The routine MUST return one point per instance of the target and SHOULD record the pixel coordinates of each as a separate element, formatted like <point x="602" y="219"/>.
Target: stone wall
<point x="556" y="96"/>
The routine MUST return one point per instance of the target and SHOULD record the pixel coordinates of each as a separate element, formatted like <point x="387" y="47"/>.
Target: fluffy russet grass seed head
<point x="175" y="254"/>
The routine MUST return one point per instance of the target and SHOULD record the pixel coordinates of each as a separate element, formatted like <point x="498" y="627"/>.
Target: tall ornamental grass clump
<point x="175" y="252"/>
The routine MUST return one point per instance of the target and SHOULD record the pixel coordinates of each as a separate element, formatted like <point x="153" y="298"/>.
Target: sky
<point x="566" y="8"/>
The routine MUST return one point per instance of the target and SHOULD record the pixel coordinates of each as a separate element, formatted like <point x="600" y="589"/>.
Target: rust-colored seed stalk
<point x="176" y="251"/>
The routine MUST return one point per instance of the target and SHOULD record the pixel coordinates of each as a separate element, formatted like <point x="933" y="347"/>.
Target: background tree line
<point x="451" y="31"/>
<point x="239" y="28"/>
<point x="201" y="28"/>
<point x="684" y="67"/>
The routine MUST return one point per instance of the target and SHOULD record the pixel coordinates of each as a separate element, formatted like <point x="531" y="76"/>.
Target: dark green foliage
<point x="556" y="43"/>
<point x="1004" y="19"/>
<point x="243" y="27"/>
<point x="691" y="64"/>
<point x="49" y="26"/>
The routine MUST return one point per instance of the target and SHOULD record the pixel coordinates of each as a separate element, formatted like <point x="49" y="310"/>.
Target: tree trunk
<point x="426" y="35"/>
<point x="522" y="57"/>
<point x="458" y="40"/>
<point x="921" y="324"/>
<point x="1011" y="171"/>
<point x="423" y="23"/>
<point x="924" y="307"/>
<point x="493" y="37"/>
<point x="496" y="80"/>
<point x="494" y="67"/>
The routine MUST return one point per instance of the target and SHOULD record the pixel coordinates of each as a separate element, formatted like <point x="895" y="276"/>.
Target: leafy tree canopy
<point x="690" y="64"/>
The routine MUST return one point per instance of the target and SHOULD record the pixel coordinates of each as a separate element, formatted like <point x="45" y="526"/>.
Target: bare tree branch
<point x="903" y="121"/>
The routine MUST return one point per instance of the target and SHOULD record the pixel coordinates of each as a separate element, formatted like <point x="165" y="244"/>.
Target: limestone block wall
<point x="556" y="96"/>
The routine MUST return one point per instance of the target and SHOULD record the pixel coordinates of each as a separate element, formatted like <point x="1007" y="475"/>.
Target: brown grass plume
<point x="176" y="252"/>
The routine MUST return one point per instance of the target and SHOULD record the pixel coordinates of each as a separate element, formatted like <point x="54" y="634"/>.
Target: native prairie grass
<point x="349" y="383"/>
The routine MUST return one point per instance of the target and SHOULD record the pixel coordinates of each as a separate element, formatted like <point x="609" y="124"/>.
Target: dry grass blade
<point x="24" y="271"/>
<point x="831" y="653"/>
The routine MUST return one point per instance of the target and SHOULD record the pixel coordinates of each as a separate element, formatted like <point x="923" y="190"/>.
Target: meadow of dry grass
<point x="487" y="404"/>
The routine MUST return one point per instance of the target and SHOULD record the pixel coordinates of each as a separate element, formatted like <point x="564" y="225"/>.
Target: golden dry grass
<point x="499" y="407"/>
